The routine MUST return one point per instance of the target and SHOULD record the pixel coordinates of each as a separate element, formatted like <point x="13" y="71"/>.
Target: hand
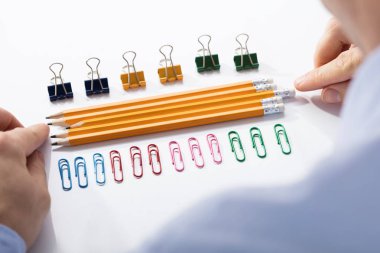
<point x="336" y="60"/>
<point x="24" y="196"/>
<point x="360" y="20"/>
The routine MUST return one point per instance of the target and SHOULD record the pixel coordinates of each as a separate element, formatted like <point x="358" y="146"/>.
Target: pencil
<point x="169" y="115"/>
<point x="259" y="85"/>
<point x="170" y="125"/>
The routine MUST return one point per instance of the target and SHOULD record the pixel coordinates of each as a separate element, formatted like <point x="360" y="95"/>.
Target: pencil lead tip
<point x="50" y="124"/>
<point x="47" y="117"/>
<point x="68" y="127"/>
<point x="53" y="136"/>
<point x="54" y="144"/>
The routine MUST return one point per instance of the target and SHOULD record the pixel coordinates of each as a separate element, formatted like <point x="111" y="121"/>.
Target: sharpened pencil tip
<point x="53" y="136"/>
<point x="50" y="124"/>
<point x="54" y="144"/>
<point x="68" y="127"/>
<point x="47" y="117"/>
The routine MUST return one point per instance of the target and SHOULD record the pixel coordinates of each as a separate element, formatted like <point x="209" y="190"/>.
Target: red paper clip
<point x="136" y="154"/>
<point x="215" y="153"/>
<point x="153" y="151"/>
<point x="194" y="145"/>
<point x="116" y="161"/>
<point x="176" y="149"/>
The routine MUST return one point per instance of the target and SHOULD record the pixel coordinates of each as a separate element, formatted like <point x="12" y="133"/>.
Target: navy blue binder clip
<point x="59" y="90"/>
<point x="98" y="85"/>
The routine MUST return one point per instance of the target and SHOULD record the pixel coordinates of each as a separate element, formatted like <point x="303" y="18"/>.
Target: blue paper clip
<point x="95" y="85"/>
<point x="99" y="165"/>
<point x="80" y="163"/>
<point x="63" y="166"/>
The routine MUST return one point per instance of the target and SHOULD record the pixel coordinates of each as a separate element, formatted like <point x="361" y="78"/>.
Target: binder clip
<point x="134" y="79"/>
<point x="196" y="153"/>
<point x="170" y="73"/>
<point x="59" y="90"/>
<point x="235" y="138"/>
<point x="206" y="61"/>
<point x="98" y="85"/>
<point x="256" y="134"/>
<point x="243" y="59"/>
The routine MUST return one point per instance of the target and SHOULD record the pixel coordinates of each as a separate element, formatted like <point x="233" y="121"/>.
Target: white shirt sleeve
<point x="336" y="210"/>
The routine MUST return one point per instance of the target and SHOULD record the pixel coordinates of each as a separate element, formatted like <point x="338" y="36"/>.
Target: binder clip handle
<point x="204" y="50"/>
<point x="96" y="71"/>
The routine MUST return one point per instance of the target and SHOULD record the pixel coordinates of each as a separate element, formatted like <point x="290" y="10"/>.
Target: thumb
<point x="335" y="93"/>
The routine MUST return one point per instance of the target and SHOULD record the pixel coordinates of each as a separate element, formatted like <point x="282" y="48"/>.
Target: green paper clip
<point x="256" y="133"/>
<point x="234" y="137"/>
<point x="206" y="61"/>
<point x="244" y="60"/>
<point x="280" y="130"/>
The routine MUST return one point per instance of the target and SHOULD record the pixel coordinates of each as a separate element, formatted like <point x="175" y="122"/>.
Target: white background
<point x="119" y="218"/>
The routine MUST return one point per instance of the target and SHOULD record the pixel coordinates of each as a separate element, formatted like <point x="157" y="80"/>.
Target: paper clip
<point x="59" y="90"/>
<point x="206" y="61"/>
<point x="95" y="85"/>
<point x="194" y="145"/>
<point x="280" y="130"/>
<point x="153" y="151"/>
<point x="116" y="164"/>
<point x="99" y="165"/>
<point x="244" y="60"/>
<point x="256" y="133"/>
<point x="63" y="166"/>
<point x="80" y="163"/>
<point x="176" y="149"/>
<point x="235" y="138"/>
<point x="136" y="154"/>
<point x="213" y="144"/>
<point x="132" y="79"/>
<point x="170" y="73"/>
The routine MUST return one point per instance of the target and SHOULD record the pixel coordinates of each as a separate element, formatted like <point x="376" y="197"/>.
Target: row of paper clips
<point x="258" y="142"/>
<point x="168" y="71"/>
<point x="80" y="166"/>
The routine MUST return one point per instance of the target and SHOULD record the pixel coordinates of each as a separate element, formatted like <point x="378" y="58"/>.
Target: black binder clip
<point x="59" y="90"/>
<point x="98" y="85"/>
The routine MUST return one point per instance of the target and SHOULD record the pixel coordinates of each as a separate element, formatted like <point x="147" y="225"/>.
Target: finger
<point x="339" y="70"/>
<point x="36" y="167"/>
<point x="30" y="138"/>
<point x="8" y="121"/>
<point x="331" y="45"/>
<point x="335" y="93"/>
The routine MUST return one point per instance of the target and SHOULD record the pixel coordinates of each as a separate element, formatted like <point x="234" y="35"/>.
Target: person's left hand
<point x="24" y="196"/>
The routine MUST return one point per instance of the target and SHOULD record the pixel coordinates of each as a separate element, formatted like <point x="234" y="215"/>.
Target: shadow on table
<point x="333" y="109"/>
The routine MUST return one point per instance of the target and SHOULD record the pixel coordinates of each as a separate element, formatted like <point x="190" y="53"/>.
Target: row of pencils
<point x="169" y="112"/>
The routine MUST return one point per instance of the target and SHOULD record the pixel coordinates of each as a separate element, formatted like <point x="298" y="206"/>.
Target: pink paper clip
<point x="136" y="154"/>
<point x="214" y="148"/>
<point x="176" y="149"/>
<point x="116" y="162"/>
<point x="153" y="151"/>
<point x="194" y="145"/>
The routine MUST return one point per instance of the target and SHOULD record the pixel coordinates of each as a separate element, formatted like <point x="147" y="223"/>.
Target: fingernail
<point x="299" y="81"/>
<point x="331" y="96"/>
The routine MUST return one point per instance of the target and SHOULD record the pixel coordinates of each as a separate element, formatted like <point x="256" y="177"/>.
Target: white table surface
<point x="120" y="217"/>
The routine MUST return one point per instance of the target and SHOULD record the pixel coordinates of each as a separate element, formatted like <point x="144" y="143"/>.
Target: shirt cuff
<point x="10" y="241"/>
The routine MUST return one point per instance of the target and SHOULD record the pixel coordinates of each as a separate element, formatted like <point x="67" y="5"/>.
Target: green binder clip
<point x="279" y="130"/>
<point x="235" y="138"/>
<point x="256" y="134"/>
<point x="244" y="60"/>
<point x="206" y="61"/>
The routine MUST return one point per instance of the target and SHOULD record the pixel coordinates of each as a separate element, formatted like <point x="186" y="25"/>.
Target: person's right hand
<point x="336" y="60"/>
<point x="24" y="197"/>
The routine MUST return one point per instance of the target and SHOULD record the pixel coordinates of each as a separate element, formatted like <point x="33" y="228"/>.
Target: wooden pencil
<point x="169" y="125"/>
<point x="260" y="84"/>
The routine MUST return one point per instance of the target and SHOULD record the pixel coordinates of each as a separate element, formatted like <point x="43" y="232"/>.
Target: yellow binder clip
<point x="132" y="79"/>
<point x="169" y="72"/>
